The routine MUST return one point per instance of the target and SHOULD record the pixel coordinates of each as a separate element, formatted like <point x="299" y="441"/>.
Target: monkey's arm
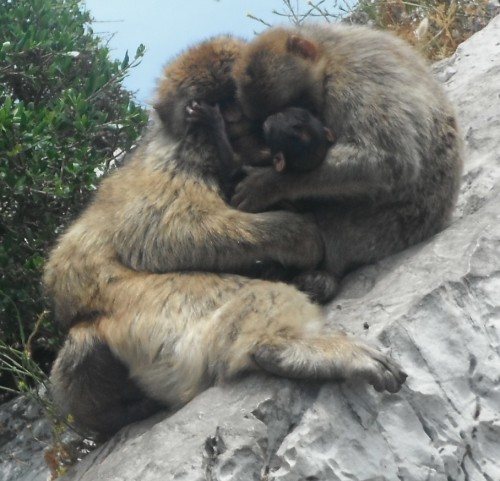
<point x="210" y="117"/>
<point x="231" y="242"/>
<point x="201" y="236"/>
<point x="348" y="172"/>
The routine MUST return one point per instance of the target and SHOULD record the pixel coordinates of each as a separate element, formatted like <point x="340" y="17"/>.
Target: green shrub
<point x="64" y="119"/>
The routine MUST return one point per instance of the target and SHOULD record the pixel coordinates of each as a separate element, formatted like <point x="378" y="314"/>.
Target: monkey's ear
<point x="279" y="162"/>
<point x="330" y="136"/>
<point x="303" y="47"/>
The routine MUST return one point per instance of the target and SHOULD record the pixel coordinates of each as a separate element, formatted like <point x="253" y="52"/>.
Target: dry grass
<point x="435" y="28"/>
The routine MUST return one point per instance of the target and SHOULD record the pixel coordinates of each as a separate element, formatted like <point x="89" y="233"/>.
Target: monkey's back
<point x="114" y="240"/>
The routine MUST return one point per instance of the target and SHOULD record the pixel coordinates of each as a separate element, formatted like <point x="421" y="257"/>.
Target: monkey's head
<point x="278" y="69"/>
<point x="201" y="73"/>
<point x="297" y="139"/>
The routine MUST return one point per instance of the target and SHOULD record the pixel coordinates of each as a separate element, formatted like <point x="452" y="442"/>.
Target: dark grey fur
<point x="392" y="177"/>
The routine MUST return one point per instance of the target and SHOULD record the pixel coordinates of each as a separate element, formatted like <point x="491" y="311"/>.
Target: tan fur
<point x="151" y="216"/>
<point x="147" y="328"/>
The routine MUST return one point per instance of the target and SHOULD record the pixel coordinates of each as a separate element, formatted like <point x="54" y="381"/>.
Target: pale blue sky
<point x="167" y="27"/>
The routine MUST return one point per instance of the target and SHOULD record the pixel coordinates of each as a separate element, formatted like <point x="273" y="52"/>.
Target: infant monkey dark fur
<point x="297" y="140"/>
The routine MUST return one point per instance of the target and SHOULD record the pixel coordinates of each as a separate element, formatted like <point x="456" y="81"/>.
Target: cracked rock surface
<point x="435" y="308"/>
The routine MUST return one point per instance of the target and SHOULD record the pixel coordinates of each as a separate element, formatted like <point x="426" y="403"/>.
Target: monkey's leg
<point x="93" y="386"/>
<point x="335" y="357"/>
<point x="364" y="234"/>
<point x="273" y="327"/>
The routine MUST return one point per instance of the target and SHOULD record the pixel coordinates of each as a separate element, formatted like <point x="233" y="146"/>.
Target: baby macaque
<point x="297" y="140"/>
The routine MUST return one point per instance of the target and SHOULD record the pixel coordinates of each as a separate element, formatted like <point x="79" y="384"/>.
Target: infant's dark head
<point x="297" y="139"/>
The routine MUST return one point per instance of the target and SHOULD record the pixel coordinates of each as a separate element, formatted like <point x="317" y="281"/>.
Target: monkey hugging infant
<point x="155" y="281"/>
<point x="297" y="141"/>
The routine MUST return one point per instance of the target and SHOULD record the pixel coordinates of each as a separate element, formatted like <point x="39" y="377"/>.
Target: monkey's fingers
<point x="194" y="114"/>
<point x="257" y="191"/>
<point x="203" y="113"/>
<point x="320" y="286"/>
<point x="196" y="111"/>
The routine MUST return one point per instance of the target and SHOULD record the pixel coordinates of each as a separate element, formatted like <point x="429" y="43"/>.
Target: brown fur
<point x="204" y="73"/>
<point x="147" y="328"/>
<point x="392" y="177"/>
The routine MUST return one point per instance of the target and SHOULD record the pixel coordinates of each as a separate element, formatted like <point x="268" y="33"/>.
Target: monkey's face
<point x="202" y="73"/>
<point x="270" y="76"/>
<point x="298" y="140"/>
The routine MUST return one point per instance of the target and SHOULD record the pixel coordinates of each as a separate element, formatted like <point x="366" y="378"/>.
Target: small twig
<point x="34" y="332"/>
<point x="260" y="20"/>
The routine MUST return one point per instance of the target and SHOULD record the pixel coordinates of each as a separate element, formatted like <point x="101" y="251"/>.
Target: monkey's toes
<point x="320" y="286"/>
<point x="383" y="373"/>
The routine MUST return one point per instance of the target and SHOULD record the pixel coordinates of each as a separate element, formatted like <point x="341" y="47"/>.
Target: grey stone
<point x="435" y="308"/>
<point x="24" y="433"/>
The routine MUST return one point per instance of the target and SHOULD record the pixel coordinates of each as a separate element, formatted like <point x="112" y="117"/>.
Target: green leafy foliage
<point x="64" y="118"/>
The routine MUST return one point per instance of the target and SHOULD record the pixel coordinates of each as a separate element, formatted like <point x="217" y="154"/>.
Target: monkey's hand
<point x="205" y="114"/>
<point x="320" y="286"/>
<point x="258" y="190"/>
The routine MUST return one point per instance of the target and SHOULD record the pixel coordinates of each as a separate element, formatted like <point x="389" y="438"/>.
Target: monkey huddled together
<point x="274" y="167"/>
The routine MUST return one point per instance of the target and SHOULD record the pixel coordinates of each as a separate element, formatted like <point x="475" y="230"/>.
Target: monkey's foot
<point x="335" y="358"/>
<point x="382" y="372"/>
<point x="320" y="286"/>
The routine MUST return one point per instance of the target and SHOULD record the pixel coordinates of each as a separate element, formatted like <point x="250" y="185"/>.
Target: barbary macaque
<point x="147" y="278"/>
